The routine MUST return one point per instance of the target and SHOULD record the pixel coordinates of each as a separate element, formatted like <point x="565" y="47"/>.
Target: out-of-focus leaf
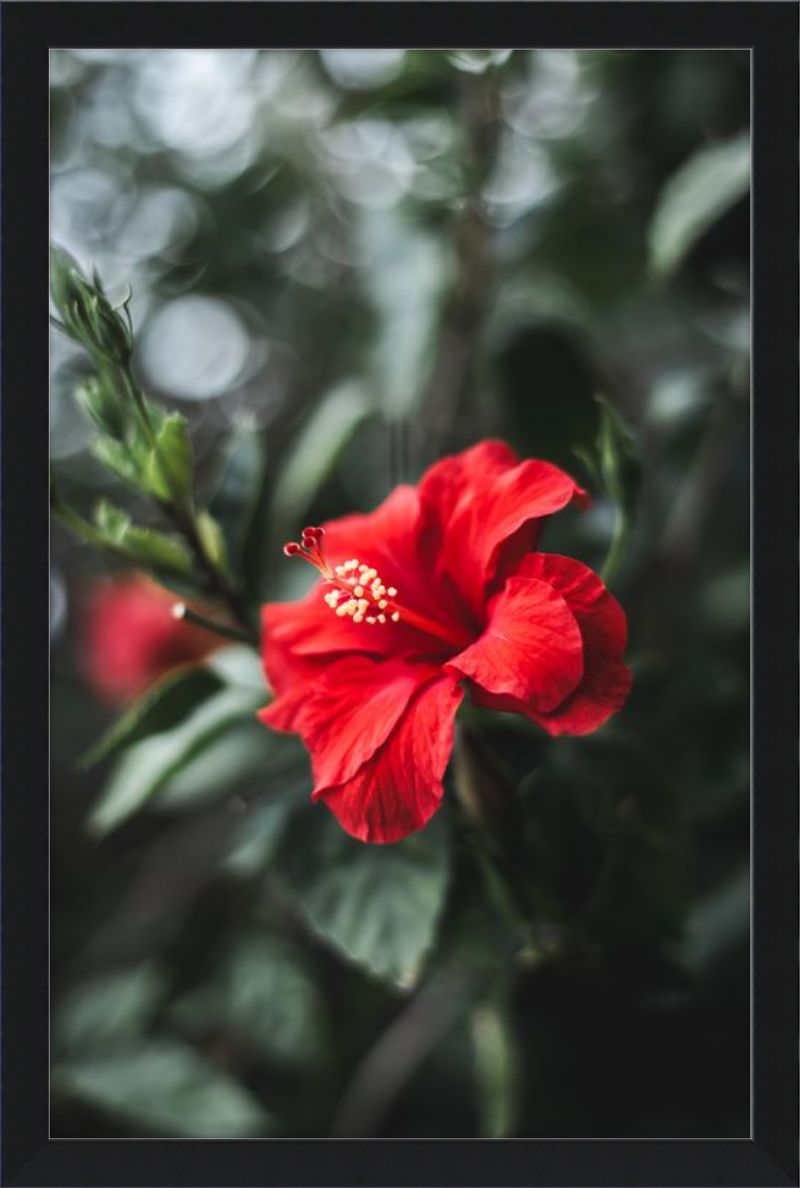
<point x="496" y="1071"/>
<point x="727" y="601"/>
<point x="283" y="789"/>
<point x="170" y="468"/>
<point x="263" y="994"/>
<point x="719" y="923"/>
<point x="156" y="551"/>
<point x="264" y="825"/>
<point x="237" y="488"/>
<point x="234" y="762"/>
<point x="702" y="190"/>
<point x="377" y="905"/>
<point x="164" y="1089"/>
<point x="109" y="1012"/>
<point x="146" y="767"/>
<point x="317" y="449"/>
<point x="164" y="705"/>
<point x="237" y="664"/>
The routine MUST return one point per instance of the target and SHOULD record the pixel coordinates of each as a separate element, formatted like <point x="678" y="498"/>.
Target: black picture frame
<point x="29" y="1157"/>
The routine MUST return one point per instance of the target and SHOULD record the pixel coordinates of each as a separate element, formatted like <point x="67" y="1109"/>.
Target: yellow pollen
<point x="361" y="595"/>
<point x="358" y="592"/>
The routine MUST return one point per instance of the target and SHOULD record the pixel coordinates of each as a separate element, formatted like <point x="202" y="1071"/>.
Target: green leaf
<point x="110" y="1011"/>
<point x="703" y="189"/>
<point x="143" y="546"/>
<point x="379" y="906"/>
<point x="157" y="551"/>
<point x="234" y="762"/>
<point x="120" y="459"/>
<point x="237" y="488"/>
<point x="165" y="705"/>
<point x="164" y="1089"/>
<point x="170" y="467"/>
<point x="264" y="995"/>
<point x="317" y="449"/>
<point x="147" y="766"/>
<point x="263" y="826"/>
<point x="112" y="521"/>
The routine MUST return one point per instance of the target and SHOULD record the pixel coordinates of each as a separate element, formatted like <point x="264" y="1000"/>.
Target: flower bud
<point x="86" y="314"/>
<point x="65" y="274"/>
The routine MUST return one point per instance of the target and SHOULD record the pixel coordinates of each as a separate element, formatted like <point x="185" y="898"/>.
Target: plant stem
<point x="185" y="520"/>
<point x="218" y="582"/>
<point x="181" y="611"/>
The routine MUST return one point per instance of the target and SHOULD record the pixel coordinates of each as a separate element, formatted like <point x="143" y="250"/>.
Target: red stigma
<point x="292" y="549"/>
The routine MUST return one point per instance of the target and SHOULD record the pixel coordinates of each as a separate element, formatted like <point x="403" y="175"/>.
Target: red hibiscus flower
<point x="131" y="637"/>
<point x="440" y="588"/>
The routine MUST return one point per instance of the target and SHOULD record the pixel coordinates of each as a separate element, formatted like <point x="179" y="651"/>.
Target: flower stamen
<point x="358" y="592"/>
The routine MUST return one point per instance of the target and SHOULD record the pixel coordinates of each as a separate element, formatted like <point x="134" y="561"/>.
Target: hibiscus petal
<point x="480" y="503"/>
<point x="532" y="647"/>
<point x="384" y="538"/>
<point x="348" y="711"/>
<point x="606" y="679"/>
<point x="300" y="637"/>
<point x="390" y="540"/>
<point x="400" y="788"/>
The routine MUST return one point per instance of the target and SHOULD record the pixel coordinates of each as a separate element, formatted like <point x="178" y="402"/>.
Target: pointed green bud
<point x="65" y="275"/>
<point x="213" y="540"/>
<point x="619" y="462"/>
<point x="86" y="313"/>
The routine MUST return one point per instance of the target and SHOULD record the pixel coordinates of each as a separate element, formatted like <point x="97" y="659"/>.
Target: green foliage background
<point x="344" y="265"/>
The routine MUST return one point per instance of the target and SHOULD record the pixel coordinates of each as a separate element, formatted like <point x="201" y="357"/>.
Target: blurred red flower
<point x="442" y="584"/>
<point x="130" y="637"/>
